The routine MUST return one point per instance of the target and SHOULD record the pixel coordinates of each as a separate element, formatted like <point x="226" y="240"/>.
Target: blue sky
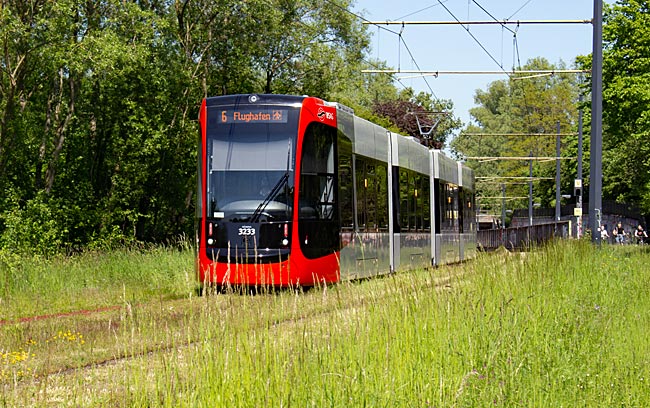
<point x="451" y="48"/>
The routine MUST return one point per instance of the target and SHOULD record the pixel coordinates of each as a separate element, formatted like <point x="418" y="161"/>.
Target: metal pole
<point x="579" y="175"/>
<point x="558" y="196"/>
<point x="595" y="162"/>
<point x="503" y="205"/>
<point x="580" y="124"/>
<point x="530" y="191"/>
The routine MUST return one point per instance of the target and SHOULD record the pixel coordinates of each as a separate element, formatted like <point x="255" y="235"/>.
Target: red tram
<point x="294" y="190"/>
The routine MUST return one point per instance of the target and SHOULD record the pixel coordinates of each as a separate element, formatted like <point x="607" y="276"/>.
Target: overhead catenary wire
<point x="509" y="183"/>
<point x="501" y="197"/>
<point x="479" y="22"/>
<point x="503" y="26"/>
<point x="513" y="178"/>
<point x="380" y="28"/>
<point x="512" y="75"/>
<point x="459" y="72"/>
<point x="528" y="117"/>
<point x="398" y="34"/>
<point x="420" y="73"/>
<point x="519" y="9"/>
<point x="419" y="11"/>
<point x="471" y="35"/>
<point x="532" y="158"/>
<point x="416" y="64"/>
<point x="520" y="134"/>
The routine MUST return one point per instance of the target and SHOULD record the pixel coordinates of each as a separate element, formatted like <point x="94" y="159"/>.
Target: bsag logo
<point x="322" y="115"/>
<point x="246" y="230"/>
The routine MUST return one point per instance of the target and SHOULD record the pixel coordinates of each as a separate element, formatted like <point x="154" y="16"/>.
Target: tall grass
<point x="564" y="325"/>
<point x="36" y="285"/>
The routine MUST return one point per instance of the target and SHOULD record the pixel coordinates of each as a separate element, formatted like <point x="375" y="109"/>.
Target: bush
<point x="34" y="227"/>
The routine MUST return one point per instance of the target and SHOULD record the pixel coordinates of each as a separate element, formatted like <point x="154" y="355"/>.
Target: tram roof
<point x="254" y="98"/>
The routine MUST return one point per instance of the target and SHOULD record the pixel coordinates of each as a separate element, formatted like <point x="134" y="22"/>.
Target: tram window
<point x="317" y="176"/>
<point x="382" y="196"/>
<point x="449" y="205"/>
<point x="457" y="208"/>
<point x="318" y="222"/>
<point x="445" y="204"/>
<point x="345" y="183"/>
<point x="404" y="199"/>
<point x="416" y="199"/>
<point x="370" y="192"/>
<point x="317" y="197"/>
<point x="360" y="168"/>
<point x="469" y="214"/>
<point x="438" y="205"/>
<point x="426" y="204"/>
<point x="461" y="213"/>
<point x="199" y="196"/>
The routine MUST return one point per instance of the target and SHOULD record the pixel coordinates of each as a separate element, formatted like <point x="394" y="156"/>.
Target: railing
<point x="522" y="237"/>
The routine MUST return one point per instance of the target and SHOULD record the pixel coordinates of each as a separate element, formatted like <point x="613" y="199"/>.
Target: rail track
<point x="170" y="312"/>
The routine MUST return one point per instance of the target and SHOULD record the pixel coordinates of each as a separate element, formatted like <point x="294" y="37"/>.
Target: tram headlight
<point x="285" y="242"/>
<point x="253" y="98"/>
<point x="210" y="241"/>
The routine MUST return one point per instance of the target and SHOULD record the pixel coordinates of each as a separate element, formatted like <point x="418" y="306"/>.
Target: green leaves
<point x="626" y="102"/>
<point x="98" y="104"/>
<point x="522" y="105"/>
<point x="405" y="112"/>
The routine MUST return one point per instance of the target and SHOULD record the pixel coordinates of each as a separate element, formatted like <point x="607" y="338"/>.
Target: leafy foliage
<point x="428" y="120"/>
<point x="523" y="105"/>
<point x="98" y="102"/>
<point x="626" y="102"/>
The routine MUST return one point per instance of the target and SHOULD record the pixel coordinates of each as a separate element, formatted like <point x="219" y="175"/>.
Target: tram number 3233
<point x="246" y="231"/>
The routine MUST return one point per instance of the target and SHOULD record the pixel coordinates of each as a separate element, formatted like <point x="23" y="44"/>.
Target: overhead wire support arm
<point x="479" y="22"/>
<point x="501" y="197"/>
<point x="519" y="134"/>
<point x="531" y="158"/>
<point x="437" y="73"/>
<point x="513" y="178"/>
<point x="511" y="183"/>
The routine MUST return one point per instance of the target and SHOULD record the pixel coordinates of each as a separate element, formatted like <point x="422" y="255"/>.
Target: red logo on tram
<point x="322" y="115"/>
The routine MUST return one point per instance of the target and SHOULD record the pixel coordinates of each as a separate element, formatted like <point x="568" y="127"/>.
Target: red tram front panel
<point x="268" y="212"/>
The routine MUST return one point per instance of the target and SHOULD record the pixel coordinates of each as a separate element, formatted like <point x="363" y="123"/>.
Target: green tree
<point x="303" y="45"/>
<point x="626" y="102"/>
<point x="99" y="130"/>
<point x="427" y="119"/>
<point x="98" y="104"/>
<point x="522" y="104"/>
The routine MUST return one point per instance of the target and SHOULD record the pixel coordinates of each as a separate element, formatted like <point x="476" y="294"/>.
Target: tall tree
<point x="427" y="119"/>
<point x="626" y="102"/>
<point x="304" y="43"/>
<point x="98" y="101"/>
<point x="524" y="105"/>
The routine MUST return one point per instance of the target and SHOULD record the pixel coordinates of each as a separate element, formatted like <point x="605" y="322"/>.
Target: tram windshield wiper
<point x="276" y="188"/>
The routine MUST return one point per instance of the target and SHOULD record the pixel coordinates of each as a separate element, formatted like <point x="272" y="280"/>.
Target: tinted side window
<point x="346" y="187"/>
<point x="318" y="219"/>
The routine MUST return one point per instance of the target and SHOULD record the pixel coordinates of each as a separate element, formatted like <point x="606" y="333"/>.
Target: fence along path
<point x="522" y="237"/>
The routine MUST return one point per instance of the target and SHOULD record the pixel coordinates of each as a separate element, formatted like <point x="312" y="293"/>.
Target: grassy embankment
<point x="562" y="326"/>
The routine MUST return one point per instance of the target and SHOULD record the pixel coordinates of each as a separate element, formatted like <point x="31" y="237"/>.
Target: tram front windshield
<point x="250" y="168"/>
